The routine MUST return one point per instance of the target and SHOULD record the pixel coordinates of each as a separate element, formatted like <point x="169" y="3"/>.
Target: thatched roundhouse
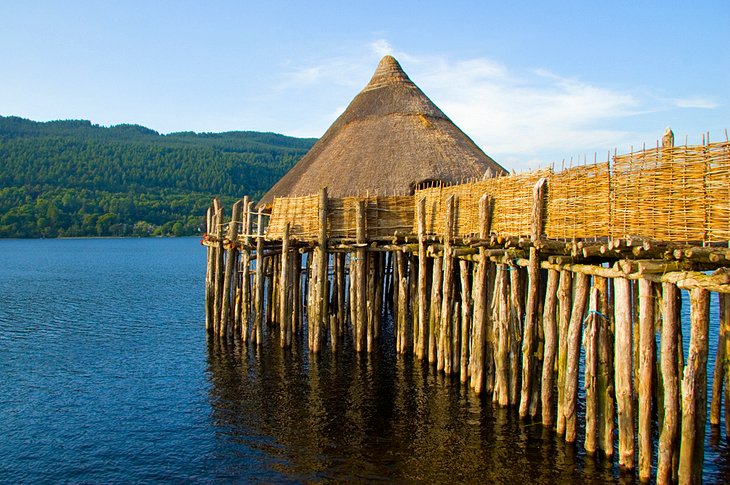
<point x="390" y="140"/>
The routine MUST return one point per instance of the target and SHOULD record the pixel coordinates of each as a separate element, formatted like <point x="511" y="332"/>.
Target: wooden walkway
<point x="501" y="283"/>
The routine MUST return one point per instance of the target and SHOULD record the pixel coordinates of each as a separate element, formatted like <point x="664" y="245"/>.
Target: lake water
<point x="106" y="375"/>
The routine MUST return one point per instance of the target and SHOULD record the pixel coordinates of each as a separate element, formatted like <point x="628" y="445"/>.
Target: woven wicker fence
<point x="679" y="194"/>
<point x="385" y="217"/>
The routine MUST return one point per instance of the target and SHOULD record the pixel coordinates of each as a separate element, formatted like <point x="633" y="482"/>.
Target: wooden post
<point x="623" y="359"/>
<point x="239" y="304"/>
<point x="245" y="268"/>
<point x="322" y="261"/>
<point x="422" y="343"/>
<point x="575" y="329"/>
<point x="413" y="301"/>
<point x="501" y="317"/>
<point x="372" y="275"/>
<point x="209" y="294"/>
<point x="725" y="328"/>
<point x="466" y="319"/>
<point x="529" y="347"/>
<point x="219" y="271"/>
<point x="694" y="390"/>
<point x="604" y="379"/>
<point x="478" y="354"/>
<point x="590" y="343"/>
<point x="434" y="321"/>
<point x="550" y="327"/>
<point x="490" y="331"/>
<point x="668" y="456"/>
<point x="718" y="380"/>
<point x="359" y="287"/>
<point x="229" y="277"/>
<point x="646" y="374"/>
<point x="516" y="315"/>
<point x="444" y="357"/>
<point x="284" y="309"/>
<point x="402" y="282"/>
<point x="259" y="279"/>
<point x="565" y="302"/>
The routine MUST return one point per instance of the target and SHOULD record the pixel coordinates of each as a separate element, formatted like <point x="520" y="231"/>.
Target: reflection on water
<point x="377" y="417"/>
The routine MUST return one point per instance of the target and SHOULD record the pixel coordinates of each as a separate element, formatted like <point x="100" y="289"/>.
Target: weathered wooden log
<point x="402" y="317"/>
<point x="371" y="281"/>
<point x="413" y="302"/>
<point x="529" y="345"/>
<point x="360" y="276"/>
<point x="466" y="320"/>
<point x="229" y="277"/>
<point x="575" y="333"/>
<point x="565" y="304"/>
<point x="478" y="352"/>
<point x="490" y="331"/>
<point x="623" y="373"/>
<point x="434" y="321"/>
<point x="718" y="380"/>
<point x="550" y="328"/>
<point x="694" y="390"/>
<point x="322" y="263"/>
<point x="668" y="456"/>
<point x="219" y="269"/>
<point x="209" y="293"/>
<point x="646" y="374"/>
<point x="340" y="280"/>
<point x="725" y="326"/>
<point x="259" y="280"/>
<point x="422" y="343"/>
<point x="445" y="336"/>
<point x="500" y="312"/>
<point x="590" y="344"/>
<point x="245" y="270"/>
<point x="517" y="315"/>
<point x="285" y="294"/>
<point x="604" y="380"/>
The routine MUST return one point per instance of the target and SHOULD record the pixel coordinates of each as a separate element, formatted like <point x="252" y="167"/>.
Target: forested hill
<point x="74" y="178"/>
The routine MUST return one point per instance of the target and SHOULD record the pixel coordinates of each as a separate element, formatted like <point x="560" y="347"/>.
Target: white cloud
<point x="522" y="118"/>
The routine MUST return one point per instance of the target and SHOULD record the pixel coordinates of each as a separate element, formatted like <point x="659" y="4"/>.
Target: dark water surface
<point x="106" y="376"/>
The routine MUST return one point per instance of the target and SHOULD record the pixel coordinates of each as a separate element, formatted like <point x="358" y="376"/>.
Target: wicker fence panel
<point x="301" y="212"/>
<point x="717" y="182"/>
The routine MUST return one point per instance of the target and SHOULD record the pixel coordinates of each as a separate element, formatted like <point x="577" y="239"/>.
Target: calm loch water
<point x="106" y="375"/>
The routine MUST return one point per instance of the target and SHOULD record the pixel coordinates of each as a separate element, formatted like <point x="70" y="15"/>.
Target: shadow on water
<point x="379" y="417"/>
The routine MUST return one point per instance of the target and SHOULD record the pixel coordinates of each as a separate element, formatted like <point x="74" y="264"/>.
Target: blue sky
<point x="531" y="82"/>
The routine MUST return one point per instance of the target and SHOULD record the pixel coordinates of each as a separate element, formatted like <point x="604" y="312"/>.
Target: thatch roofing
<point x="389" y="139"/>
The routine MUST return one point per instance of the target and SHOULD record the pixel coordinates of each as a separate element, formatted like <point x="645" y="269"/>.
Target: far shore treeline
<point x="75" y="179"/>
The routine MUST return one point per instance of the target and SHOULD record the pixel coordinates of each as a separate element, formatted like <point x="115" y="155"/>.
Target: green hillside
<point x="73" y="178"/>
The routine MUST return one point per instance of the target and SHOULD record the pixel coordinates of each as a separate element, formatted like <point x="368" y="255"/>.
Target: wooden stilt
<point x="285" y="294"/>
<point x="270" y="296"/>
<point x="209" y="268"/>
<point x="444" y="357"/>
<point x="372" y="276"/>
<point x="481" y="321"/>
<point x="590" y="344"/>
<point x="694" y="390"/>
<point x="550" y="326"/>
<point x="322" y="263"/>
<point x="725" y="328"/>
<point x="259" y="280"/>
<point x="604" y="379"/>
<point x="565" y="302"/>
<point x="402" y="282"/>
<point x="219" y="270"/>
<point x="575" y="329"/>
<point x="413" y="302"/>
<point x="668" y="456"/>
<point x="361" y="306"/>
<point x="718" y="380"/>
<point x="297" y="318"/>
<point x="340" y="279"/>
<point x="434" y="321"/>
<point x="529" y="345"/>
<point x="623" y="376"/>
<point x="500" y="312"/>
<point x="229" y="278"/>
<point x="422" y="343"/>
<point x="466" y="319"/>
<point x="245" y="270"/>
<point x="516" y="319"/>
<point x="646" y="374"/>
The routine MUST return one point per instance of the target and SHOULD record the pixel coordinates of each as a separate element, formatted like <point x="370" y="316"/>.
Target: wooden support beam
<point x="209" y="271"/>
<point x="668" y="455"/>
<point x="466" y="320"/>
<point x="623" y="361"/>
<point x="575" y="332"/>
<point x="646" y="374"/>
<point x="550" y="328"/>
<point x="259" y="280"/>
<point x="229" y="277"/>
<point x="285" y="293"/>
<point x="694" y="390"/>
<point x="604" y="380"/>
<point x="590" y="344"/>
<point x="500" y="315"/>
<point x="360" y="276"/>
<point x="481" y="310"/>
<point x="423" y="330"/>
<point x="445" y="336"/>
<point x="565" y="304"/>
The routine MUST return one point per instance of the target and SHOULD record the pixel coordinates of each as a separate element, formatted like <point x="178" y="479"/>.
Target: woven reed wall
<point x="385" y="217"/>
<point x="679" y="194"/>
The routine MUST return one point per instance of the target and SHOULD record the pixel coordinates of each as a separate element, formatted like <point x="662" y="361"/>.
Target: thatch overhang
<point x="390" y="139"/>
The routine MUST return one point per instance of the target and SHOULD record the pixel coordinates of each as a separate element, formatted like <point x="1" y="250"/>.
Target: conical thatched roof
<point x="389" y="139"/>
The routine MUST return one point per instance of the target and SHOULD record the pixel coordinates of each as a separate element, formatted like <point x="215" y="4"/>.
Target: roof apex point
<point x="387" y="72"/>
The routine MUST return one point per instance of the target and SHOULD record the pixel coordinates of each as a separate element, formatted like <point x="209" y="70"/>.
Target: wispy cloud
<point x="519" y="117"/>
